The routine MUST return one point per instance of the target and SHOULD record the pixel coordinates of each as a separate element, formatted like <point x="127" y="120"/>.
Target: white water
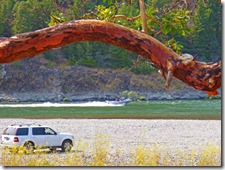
<point x="49" y="104"/>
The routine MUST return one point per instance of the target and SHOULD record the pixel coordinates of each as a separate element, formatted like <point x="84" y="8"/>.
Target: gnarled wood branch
<point x="202" y="76"/>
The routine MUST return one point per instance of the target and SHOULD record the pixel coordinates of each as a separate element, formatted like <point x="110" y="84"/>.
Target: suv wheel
<point x="66" y="146"/>
<point x="29" y="146"/>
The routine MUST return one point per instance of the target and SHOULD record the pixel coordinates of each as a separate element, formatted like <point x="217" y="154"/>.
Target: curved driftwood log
<point x="202" y="76"/>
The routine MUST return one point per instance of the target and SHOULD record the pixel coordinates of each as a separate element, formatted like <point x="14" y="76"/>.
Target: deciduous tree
<point x="202" y="76"/>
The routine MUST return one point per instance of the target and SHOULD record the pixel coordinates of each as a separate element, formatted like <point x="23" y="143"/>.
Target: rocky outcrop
<point x="38" y="79"/>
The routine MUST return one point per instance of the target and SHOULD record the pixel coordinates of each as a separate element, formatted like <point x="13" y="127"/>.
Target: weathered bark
<point x="202" y="76"/>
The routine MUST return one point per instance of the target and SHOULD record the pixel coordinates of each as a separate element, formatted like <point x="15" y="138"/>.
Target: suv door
<point x="39" y="136"/>
<point x="52" y="138"/>
<point x="45" y="136"/>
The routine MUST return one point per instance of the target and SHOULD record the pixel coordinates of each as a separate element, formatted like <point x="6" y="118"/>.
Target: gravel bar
<point x="126" y="134"/>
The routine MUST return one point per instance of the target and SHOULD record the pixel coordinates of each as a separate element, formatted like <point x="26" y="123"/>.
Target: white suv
<point x="33" y="136"/>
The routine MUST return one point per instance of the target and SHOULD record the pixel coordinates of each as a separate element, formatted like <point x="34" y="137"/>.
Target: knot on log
<point x="186" y="59"/>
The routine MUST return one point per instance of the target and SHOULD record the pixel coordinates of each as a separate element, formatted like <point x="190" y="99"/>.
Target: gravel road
<point x="126" y="134"/>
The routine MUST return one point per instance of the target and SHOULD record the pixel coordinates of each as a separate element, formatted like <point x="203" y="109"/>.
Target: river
<point x="164" y="109"/>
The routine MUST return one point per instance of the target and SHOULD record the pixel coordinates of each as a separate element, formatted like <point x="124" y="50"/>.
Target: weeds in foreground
<point x="99" y="154"/>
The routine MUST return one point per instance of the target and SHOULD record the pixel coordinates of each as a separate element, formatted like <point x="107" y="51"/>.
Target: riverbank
<point x="95" y="96"/>
<point x="122" y="137"/>
<point x="35" y="80"/>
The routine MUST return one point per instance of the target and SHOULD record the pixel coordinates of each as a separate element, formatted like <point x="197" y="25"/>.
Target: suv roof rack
<point x="25" y="124"/>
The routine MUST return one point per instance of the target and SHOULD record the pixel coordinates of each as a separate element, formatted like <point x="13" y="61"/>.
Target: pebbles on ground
<point x="126" y="134"/>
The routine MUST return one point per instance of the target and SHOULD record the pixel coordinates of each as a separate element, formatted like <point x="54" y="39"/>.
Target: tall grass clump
<point x="100" y="153"/>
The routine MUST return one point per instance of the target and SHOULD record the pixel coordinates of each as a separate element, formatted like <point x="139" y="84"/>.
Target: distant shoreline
<point x="101" y="100"/>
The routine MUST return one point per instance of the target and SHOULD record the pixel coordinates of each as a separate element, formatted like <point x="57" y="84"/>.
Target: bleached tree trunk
<point x="143" y="16"/>
<point x="202" y="76"/>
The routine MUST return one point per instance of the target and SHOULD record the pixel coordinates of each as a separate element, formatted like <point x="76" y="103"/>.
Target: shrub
<point x="132" y="95"/>
<point x="65" y="99"/>
<point x="142" y="98"/>
<point x="124" y="94"/>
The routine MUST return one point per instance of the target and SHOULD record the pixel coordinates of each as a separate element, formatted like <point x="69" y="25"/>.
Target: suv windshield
<point x="15" y="131"/>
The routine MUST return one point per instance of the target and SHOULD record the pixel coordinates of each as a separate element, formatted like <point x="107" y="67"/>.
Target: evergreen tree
<point x="205" y="39"/>
<point x="30" y="15"/>
<point x="6" y="17"/>
<point x="197" y="33"/>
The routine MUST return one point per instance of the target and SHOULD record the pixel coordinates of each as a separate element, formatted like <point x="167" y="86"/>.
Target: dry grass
<point x="99" y="154"/>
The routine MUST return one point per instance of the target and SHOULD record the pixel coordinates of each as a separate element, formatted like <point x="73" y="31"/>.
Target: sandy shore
<point x="126" y="134"/>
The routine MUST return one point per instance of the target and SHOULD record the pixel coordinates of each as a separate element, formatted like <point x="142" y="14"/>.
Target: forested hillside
<point x="192" y="26"/>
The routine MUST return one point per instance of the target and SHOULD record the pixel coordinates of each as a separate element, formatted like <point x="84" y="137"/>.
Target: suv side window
<point x="49" y="131"/>
<point x="43" y="131"/>
<point x="22" y="131"/>
<point x="38" y="131"/>
<point x="9" y="131"/>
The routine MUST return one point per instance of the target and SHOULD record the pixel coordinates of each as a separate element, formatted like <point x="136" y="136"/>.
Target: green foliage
<point x="175" y="22"/>
<point x="175" y="45"/>
<point x="49" y="55"/>
<point x="124" y="94"/>
<point x="143" y="68"/>
<point x="17" y="63"/>
<point x="88" y="59"/>
<point x="103" y="13"/>
<point x="97" y="55"/>
<point x="6" y="17"/>
<point x="168" y="26"/>
<point x="132" y="95"/>
<point x="207" y="31"/>
<point x="129" y="94"/>
<point x="118" y="57"/>
<point x="73" y="52"/>
<point x="65" y="99"/>
<point x="56" y="18"/>
<point x="27" y="17"/>
<point x="194" y="32"/>
<point x="142" y="98"/>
